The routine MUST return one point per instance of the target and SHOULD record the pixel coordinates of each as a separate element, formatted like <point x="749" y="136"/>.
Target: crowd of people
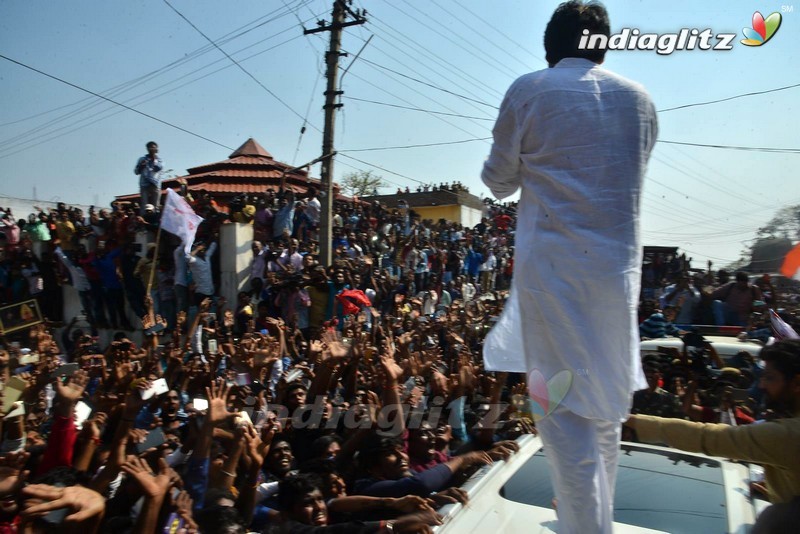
<point x="349" y="396"/>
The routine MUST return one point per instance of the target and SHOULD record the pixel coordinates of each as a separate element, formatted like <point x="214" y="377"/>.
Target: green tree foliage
<point x="361" y="183"/>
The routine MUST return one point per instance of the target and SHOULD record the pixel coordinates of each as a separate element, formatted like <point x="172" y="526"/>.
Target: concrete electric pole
<point x="341" y="10"/>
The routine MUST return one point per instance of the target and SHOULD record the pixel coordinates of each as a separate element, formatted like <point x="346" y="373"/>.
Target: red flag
<point x="351" y="300"/>
<point x="791" y="263"/>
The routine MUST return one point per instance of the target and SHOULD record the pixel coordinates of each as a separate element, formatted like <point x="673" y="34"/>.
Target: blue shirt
<point x="148" y="170"/>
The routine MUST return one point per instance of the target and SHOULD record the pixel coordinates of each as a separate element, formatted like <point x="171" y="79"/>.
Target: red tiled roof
<point x="250" y="169"/>
<point x="251" y="148"/>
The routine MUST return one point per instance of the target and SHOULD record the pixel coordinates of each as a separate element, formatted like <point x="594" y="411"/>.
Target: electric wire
<point x="490" y="62"/>
<point x="110" y="112"/>
<point x="347" y="97"/>
<point x="743" y="95"/>
<point x="400" y="40"/>
<point x="269" y="91"/>
<point x="735" y="147"/>
<point x="142" y="113"/>
<point x="416" y="146"/>
<point x="130" y="84"/>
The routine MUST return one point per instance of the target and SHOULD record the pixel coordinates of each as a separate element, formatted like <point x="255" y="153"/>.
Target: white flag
<point x="781" y="329"/>
<point x="180" y="219"/>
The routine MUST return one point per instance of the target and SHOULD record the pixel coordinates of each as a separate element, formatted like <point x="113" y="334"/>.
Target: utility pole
<point x="339" y="21"/>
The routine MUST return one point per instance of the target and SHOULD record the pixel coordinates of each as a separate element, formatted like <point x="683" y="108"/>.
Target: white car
<point x="658" y="490"/>
<point x="727" y="347"/>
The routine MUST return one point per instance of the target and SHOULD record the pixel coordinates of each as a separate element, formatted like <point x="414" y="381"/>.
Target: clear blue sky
<point x="76" y="148"/>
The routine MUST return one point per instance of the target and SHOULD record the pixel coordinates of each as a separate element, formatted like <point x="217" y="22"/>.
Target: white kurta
<point x="576" y="138"/>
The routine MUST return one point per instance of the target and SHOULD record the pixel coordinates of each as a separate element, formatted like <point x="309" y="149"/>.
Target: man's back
<point x="576" y="138"/>
<point x="583" y="138"/>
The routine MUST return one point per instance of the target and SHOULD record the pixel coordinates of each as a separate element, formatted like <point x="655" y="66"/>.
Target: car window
<point x="661" y="490"/>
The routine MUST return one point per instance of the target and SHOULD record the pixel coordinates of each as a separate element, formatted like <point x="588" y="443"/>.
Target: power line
<point x="730" y="98"/>
<point x="485" y="22"/>
<point x="480" y="32"/>
<point x="417" y="146"/>
<point x="126" y="86"/>
<point x="438" y="73"/>
<point x="383" y="88"/>
<point x="734" y="147"/>
<point x="418" y="109"/>
<point x="276" y="97"/>
<point x="131" y="101"/>
<point x="449" y="92"/>
<point x="114" y="102"/>
<point x="442" y="64"/>
<point x="383" y="169"/>
<point x="130" y="84"/>
<point x="441" y="31"/>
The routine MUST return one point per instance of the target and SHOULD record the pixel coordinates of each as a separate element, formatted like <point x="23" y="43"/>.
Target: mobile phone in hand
<point x="158" y="387"/>
<point x="155" y="438"/>
<point x="68" y="369"/>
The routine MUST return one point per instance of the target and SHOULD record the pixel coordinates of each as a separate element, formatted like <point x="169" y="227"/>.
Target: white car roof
<point x="725" y="346"/>
<point x="488" y="512"/>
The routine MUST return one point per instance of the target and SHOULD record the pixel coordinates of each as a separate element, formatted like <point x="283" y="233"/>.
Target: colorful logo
<point x="547" y="394"/>
<point x="762" y="30"/>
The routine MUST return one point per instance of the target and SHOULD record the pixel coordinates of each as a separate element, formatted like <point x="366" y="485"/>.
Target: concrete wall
<point x="434" y="213"/>
<point x="235" y="242"/>
<point x="22" y="207"/>
<point x="469" y="217"/>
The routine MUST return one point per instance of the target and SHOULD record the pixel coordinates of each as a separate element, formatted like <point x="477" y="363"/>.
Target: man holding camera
<point x="148" y="167"/>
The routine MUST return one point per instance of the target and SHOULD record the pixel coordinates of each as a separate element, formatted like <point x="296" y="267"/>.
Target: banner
<point x="179" y="218"/>
<point x="19" y="316"/>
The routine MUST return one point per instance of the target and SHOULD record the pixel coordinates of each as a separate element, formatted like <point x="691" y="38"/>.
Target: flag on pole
<point x="791" y="264"/>
<point x="180" y="219"/>
<point x="780" y="328"/>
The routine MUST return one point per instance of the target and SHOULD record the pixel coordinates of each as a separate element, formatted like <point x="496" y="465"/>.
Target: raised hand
<point x="12" y="476"/>
<point x="154" y="486"/>
<point x="217" y="403"/>
<point x="391" y="369"/>
<point x="72" y="389"/>
<point x="82" y="502"/>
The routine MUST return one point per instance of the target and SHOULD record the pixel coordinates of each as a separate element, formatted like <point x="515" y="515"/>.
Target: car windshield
<point x="661" y="490"/>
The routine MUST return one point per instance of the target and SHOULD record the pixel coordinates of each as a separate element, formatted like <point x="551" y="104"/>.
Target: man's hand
<point x="154" y="486"/>
<point x="410" y="504"/>
<point x="12" y="476"/>
<point x="631" y="422"/>
<point x="391" y="369"/>
<point x="418" y="522"/>
<point x="217" y="404"/>
<point x="69" y="392"/>
<point x="92" y="428"/>
<point x="449" y="496"/>
<point x="83" y="502"/>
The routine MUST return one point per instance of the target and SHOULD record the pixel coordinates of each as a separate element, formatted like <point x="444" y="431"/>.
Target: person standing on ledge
<point x="149" y="167"/>
<point x="576" y="139"/>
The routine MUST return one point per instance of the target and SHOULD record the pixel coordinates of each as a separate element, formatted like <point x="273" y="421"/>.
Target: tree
<point x="361" y="183"/>
<point x="785" y="223"/>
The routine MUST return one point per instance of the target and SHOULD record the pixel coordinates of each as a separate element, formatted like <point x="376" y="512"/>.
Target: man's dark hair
<point x="221" y="520"/>
<point x="742" y="276"/>
<point x="565" y="29"/>
<point x="321" y="444"/>
<point x="784" y="356"/>
<point x="291" y="490"/>
<point x="374" y="446"/>
<point x="150" y="143"/>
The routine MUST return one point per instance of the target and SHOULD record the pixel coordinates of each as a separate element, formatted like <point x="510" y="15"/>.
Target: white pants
<point x="582" y="454"/>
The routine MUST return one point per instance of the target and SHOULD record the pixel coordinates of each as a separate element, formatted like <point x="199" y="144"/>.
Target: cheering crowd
<point x="342" y="398"/>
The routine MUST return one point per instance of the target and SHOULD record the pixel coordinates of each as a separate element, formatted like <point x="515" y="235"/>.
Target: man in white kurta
<point x="575" y="138"/>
